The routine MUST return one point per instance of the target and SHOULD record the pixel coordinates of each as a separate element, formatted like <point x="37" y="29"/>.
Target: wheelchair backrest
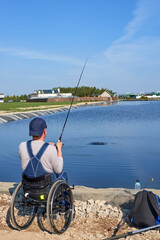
<point x="37" y="188"/>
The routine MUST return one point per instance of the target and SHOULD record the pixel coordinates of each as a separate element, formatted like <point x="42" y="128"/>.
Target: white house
<point x="105" y="94"/>
<point x="154" y="95"/>
<point x="49" y="94"/>
<point x="1" y="97"/>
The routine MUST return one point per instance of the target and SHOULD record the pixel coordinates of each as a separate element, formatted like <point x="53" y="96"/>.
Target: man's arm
<point x="56" y="157"/>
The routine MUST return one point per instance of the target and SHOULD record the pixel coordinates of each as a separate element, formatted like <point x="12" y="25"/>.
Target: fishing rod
<point x="73" y="99"/>
<point x="124" y="235"/>
<point x="120" y="225"/>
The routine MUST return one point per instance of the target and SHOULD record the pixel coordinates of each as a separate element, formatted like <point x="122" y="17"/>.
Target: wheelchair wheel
<point x="60" y="207"/>
<point x="22" y="212"/>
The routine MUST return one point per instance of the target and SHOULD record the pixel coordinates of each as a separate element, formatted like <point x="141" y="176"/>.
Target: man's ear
<point x="45" y="132"/>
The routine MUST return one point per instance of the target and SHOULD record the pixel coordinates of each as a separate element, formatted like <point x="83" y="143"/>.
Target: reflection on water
<point x="104" y="146"/>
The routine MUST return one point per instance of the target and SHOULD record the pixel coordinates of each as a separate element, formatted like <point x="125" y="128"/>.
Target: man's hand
<point x="59" y="146"/>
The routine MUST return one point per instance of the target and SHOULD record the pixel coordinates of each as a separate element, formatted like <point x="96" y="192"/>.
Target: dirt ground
<point x="84" y="228"/>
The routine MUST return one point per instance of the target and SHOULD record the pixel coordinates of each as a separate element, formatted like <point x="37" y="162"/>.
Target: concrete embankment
<point x="4" y="118"/>
<point x="115" y="196"/>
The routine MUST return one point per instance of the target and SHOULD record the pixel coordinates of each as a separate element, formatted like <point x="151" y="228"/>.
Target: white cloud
<point x="141" y="52"/>
<point x="29" y="54"/>
<point x="145" y="10"/>
<point x="133" y="58"/>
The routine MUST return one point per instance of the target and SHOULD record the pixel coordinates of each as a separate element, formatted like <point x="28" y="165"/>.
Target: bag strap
<point x="154" y="202"/>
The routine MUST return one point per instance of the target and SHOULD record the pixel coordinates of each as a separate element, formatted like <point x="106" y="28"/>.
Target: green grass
<point x="30" y="106"/>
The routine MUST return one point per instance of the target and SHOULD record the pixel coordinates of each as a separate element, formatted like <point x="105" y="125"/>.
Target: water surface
<point x="104" y="146"/>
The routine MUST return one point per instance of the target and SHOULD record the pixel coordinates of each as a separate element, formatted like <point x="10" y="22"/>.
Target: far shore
<point x="45" y="108"/>
<point x="59" y="106"/>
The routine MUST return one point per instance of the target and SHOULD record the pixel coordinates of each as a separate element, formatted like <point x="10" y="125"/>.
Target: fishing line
<point x="73" y="99"/>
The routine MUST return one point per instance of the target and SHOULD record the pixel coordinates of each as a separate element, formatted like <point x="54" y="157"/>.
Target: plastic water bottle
<point x="137" y="186"/>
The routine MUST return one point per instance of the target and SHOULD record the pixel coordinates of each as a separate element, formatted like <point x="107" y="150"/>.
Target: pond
<point x="104" y="146"/>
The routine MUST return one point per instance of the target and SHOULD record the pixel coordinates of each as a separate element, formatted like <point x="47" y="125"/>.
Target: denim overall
<point x="35" y="168"/>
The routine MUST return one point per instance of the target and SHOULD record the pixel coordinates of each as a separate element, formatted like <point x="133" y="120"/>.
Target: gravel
<point x="94" y="219"/>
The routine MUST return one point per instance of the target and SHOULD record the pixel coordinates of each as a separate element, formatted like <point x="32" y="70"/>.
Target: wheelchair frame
<point x="57" y="206"/>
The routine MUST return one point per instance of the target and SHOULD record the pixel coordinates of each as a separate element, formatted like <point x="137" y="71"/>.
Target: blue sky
<point x="44" y="44"/>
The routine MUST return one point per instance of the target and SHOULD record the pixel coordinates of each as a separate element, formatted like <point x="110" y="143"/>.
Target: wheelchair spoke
<point x="22" y="211"/>
<point x="60" y="207"/>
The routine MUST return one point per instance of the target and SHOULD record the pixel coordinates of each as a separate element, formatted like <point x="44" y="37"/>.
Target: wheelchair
<point x="55" y="200"/>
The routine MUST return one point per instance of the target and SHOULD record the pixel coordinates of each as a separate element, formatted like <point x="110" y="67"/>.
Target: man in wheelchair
<point x="42" y="163"/>
<point x="44" y="184"/>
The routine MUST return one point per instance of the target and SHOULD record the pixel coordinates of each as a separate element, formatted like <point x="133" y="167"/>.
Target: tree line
<point x="85" y="91"/>
<point x="15" y="98"/>
<point x="81" y="92"/>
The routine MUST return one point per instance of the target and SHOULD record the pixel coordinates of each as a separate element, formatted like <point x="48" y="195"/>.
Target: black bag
<point x="35" y="187"/>
<point x="145" y="211"/>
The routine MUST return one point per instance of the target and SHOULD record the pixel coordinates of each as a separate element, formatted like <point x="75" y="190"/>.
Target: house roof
<point x="105" y="94"/>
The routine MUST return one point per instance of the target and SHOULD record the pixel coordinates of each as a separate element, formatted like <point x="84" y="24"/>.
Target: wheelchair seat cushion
<point x="37" y="188"/>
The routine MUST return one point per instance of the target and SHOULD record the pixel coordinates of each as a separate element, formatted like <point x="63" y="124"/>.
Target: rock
<point x="90" y="201"/>
<point x="93" y="219"/>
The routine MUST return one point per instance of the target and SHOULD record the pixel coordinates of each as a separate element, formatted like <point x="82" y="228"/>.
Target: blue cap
<point x="37" y="126"/>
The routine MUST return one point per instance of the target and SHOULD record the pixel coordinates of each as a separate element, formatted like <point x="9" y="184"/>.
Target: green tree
<point x="85" y="91"/>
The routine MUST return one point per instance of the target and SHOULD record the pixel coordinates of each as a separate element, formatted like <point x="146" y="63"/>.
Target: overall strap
<point x="29" y="148"/>
<point x="34" y="167"/>
<point x="42" y="150"/>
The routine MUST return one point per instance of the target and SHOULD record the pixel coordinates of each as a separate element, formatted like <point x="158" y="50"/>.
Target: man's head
<point x="37" y="126"/>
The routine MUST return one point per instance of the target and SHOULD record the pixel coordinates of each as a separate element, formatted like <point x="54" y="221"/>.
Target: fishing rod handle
<point x="56" y="144"/>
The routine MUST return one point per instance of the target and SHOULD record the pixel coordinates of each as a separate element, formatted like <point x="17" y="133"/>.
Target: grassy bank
<point x="30" y="106"/>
